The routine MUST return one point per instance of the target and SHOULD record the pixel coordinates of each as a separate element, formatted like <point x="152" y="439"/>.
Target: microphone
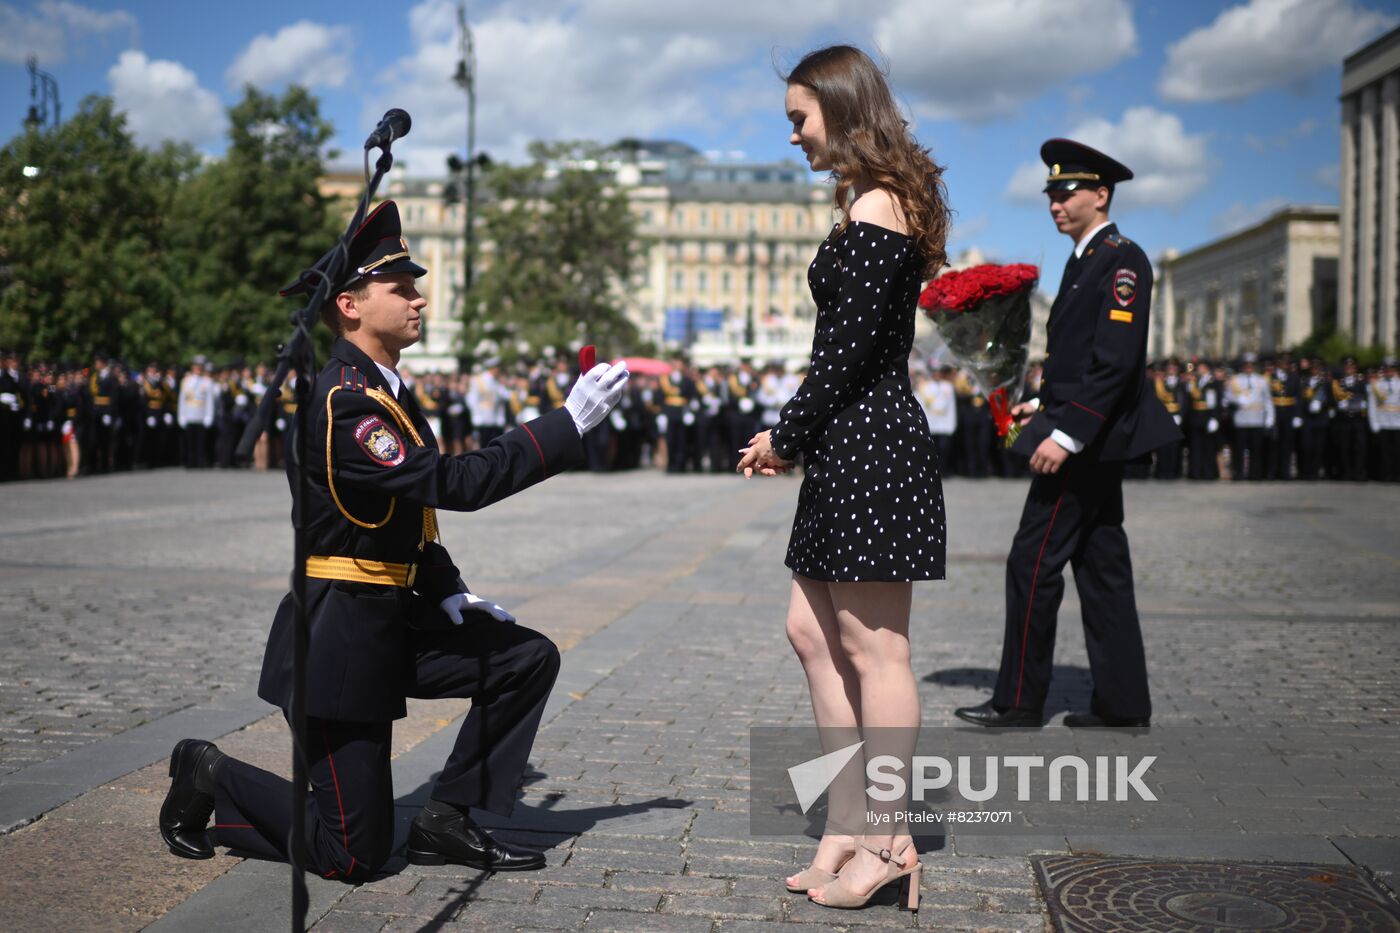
<point x="394" y="125"/>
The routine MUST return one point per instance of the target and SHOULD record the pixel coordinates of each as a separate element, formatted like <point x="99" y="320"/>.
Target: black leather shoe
<point x="987" y="714"/>
<point x="1095" y="721"/>
<point x="458" y="840"/>
<point x="185" y="814"/>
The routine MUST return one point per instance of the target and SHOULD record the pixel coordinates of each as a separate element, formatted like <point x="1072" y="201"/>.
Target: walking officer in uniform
<point x="1096" y="411"/>
<point x="388" y="613"/>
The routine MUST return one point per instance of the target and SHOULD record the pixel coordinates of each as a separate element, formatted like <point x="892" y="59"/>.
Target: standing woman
<point x="870" y="513"/>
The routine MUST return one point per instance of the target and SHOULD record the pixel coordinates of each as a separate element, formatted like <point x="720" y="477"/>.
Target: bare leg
<point x="873" y="621"/>
<point x="813" y="632"/>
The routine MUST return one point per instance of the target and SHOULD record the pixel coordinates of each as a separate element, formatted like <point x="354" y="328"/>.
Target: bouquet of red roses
<point x="983" y="314"/>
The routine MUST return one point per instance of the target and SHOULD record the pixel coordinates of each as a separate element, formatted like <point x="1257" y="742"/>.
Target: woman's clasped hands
<point x="759" y="456"/>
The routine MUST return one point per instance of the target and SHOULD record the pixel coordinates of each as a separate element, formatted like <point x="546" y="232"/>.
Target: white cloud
<point x="1266" y="43"/>
<point x="1240" y="215"/>
<point x="54" y="28"/>
<point x="743" y="17"/>
<point x="305" y="53"/>
<point x="1329" y="176"/>
<point x="1281" y="140"/>
<point x="1169" y="165"/>
<point x="587" y="69"/>
<point x="163" y="101"/>
<point x="978" y="61"/>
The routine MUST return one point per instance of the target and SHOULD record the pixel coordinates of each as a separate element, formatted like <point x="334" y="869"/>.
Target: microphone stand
<point x="299" y="352"/>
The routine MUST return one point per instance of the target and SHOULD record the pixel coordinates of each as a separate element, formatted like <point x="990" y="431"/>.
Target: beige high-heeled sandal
<point x="903" y="869"/>
<point x="814" y="877"/>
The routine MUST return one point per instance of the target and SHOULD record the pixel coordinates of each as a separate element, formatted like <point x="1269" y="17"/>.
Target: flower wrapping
<point x="983" y="314"/>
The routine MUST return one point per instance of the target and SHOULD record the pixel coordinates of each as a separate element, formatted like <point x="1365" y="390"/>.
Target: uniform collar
<point x="1089" y="238"/>
<point x="347" y="352"/>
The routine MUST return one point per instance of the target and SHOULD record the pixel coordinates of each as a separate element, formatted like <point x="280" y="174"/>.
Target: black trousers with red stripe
<point x="506" y="670"/>
<point x="1073" y="517"/>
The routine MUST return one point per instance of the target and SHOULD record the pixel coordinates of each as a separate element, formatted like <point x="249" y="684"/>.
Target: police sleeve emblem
<point x="379" y="441"/>
<point x="1125" y="286"/>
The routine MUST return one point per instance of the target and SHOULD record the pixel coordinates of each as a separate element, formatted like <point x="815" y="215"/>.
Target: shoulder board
<point x="351" y="379"/>
<point x="1114" y="239"/>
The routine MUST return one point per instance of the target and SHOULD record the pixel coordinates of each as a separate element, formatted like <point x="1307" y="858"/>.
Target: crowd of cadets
<point x="1271" y="419"/>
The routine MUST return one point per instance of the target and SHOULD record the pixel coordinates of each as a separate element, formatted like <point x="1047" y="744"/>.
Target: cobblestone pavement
<point x="130" y="601"/>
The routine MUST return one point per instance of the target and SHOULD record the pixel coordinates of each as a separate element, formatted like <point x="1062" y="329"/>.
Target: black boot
<point x="438" y="838"/>
<point x="190" y="801"/>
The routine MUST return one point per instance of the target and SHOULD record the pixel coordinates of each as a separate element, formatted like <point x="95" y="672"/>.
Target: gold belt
<point x="357" y="570"/>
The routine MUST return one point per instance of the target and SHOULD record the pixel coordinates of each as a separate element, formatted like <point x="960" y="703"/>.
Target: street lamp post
<point x="749" y="335"/>
<point x="43" y="91"/>
<point x="466" y="79"/>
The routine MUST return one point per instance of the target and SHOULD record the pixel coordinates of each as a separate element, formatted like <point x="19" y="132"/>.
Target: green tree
<point x="563" y="254"/>
<point x="81" y="239"/>
<point x="1332" y="347"/>
<point x="248" y="224"/>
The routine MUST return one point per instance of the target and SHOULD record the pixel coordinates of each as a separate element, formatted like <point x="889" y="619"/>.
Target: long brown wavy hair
<point x="868" y="140"/>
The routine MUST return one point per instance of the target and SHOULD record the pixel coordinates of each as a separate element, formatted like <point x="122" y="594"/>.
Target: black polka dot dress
<point x="871" y="505"/>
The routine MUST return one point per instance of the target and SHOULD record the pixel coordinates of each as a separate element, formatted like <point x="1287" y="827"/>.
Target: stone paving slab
<point x="1255" y="614"/>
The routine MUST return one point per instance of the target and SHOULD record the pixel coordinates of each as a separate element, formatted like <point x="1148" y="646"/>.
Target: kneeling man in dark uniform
<point x="1095" y="413"/>
<point x="389" y="615"/>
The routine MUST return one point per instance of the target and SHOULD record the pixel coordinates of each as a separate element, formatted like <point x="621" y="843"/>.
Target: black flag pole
<point x="298" y="355"/>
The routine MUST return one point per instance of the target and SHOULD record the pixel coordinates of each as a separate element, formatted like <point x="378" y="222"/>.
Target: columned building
<point x="1262" y="289"/>
<point x="1369" y="300"/>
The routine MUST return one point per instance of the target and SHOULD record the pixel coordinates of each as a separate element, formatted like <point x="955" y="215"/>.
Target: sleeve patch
<point x="379" y="441"/>
<point x="1125" y="286"/>
<point x="1118" y="314"/>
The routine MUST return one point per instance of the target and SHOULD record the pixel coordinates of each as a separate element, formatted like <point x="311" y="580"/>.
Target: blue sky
<point x="1226" y="111"/>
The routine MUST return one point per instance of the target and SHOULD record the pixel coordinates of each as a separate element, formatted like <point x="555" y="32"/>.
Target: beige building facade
<point x="1260" y="290"/>
<point x="1369" y="299"/>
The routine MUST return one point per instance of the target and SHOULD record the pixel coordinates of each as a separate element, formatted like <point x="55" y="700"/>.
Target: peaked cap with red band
<point x="1074" y="165"/>
<point x="377" y="248"/>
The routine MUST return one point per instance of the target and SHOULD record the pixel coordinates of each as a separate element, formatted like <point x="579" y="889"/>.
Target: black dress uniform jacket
<point x="1094" y="388"/>
<point x="373" y="488"/>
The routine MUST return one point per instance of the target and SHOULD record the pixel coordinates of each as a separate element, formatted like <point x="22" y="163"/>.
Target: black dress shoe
<point x="987" y="714"/>
<point x="1096" y="721"/>
<point x="184" y="816"/>
<point x="458" y="840"/>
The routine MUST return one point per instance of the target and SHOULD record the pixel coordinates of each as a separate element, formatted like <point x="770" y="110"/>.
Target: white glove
<point x="595" y="394"/>
<point x="1297" y="423"/>
<point x="1212" y="426"/>
<point x="454" y="604"/>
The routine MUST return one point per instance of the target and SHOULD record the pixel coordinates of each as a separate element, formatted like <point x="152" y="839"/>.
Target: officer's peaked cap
<point x="1074" y="165"/>
<point x="377" y="248"/>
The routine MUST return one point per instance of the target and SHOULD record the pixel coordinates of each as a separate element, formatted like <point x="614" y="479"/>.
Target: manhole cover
<point x="1091" y="895"/>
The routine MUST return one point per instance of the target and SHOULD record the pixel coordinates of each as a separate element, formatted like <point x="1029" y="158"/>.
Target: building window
<point x="702" y="281"/>
<point x="727" y="280"/>
<point x="728" y="220"/>
<point x="772" y="283"/>
<point x="704" y="218"/>
<point x="678" y="218"/>
<point x="775" y="220"/>
<point x="753" y="220"/>
<point x="678" y="281"/>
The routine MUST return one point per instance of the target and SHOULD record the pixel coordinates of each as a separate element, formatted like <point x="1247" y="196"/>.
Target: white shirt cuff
<point x="1065" y="441"/>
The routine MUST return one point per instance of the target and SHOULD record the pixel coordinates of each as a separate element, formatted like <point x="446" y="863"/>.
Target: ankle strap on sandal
<point x="885" y="855"/>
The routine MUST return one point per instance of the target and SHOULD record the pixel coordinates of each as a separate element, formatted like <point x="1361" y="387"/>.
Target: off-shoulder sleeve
<point x="870" y="257"/>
